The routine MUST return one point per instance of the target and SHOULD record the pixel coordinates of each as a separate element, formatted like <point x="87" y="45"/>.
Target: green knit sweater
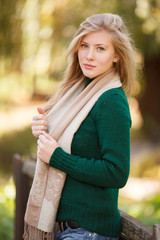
<point x="97" y="166"/>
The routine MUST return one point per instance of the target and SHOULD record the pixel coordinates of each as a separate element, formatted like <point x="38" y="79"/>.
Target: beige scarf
<point x="64" y="120"/>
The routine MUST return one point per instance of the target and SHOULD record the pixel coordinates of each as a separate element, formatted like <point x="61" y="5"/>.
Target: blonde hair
<point x="123" y="46"/>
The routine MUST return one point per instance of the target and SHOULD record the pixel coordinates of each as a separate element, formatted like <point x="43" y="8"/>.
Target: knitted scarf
<point x="64" y="120"/>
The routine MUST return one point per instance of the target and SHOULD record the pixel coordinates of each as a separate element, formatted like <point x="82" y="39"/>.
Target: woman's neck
<point x="89" y="80"/>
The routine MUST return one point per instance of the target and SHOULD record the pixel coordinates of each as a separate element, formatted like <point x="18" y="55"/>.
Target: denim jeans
<point x="80" y="234"/>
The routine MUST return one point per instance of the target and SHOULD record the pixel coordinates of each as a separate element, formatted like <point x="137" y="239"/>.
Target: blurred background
<point x="33" y="37"/>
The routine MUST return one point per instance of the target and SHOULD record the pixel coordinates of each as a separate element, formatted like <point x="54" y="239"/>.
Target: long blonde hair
<point x="122" y="43"/>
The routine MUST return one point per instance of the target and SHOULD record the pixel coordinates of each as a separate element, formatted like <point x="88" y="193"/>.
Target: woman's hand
<point x="46" y="146"/>
<point x="39" y="123"/>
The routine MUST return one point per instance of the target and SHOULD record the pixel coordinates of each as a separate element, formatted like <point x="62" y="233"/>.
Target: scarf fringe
<point x="33" y="233"/>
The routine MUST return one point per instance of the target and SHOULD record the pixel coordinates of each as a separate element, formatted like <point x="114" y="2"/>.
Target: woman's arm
<point x="112" y="170"/>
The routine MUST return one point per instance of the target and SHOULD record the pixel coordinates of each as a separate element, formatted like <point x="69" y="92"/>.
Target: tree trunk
<point x="150" y="101"/>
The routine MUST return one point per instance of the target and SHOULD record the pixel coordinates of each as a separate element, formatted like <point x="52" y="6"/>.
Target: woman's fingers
<point x="39" y="117"/>
<point x="46" y="146"/>
<point x="47" y="136"/>
<point x="40" y="110"/>
<point x="36" y="133"/>
<point x="39" y="122"/>
<point x="39" y="128"/>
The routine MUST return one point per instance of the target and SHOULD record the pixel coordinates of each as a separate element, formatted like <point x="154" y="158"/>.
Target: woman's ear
<point x="116" y="58"/>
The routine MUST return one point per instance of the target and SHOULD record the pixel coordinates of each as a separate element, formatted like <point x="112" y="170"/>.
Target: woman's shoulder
<point x="111" y="102"/>
<point x="113" y="96"/>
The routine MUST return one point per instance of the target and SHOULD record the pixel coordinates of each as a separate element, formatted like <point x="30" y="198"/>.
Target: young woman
<point x="100" y="69"/>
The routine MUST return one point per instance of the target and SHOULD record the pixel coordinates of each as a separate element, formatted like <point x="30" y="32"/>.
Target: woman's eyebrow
<point x="84" y="42"/>
<point x="97" y="44"/>
<point x="101" y="44"/>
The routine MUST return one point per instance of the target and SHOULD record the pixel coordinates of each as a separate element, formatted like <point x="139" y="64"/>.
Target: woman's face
<point x="96" y="53"/>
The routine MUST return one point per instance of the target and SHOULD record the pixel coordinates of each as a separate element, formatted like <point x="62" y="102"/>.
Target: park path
<point x="18" y="117"/>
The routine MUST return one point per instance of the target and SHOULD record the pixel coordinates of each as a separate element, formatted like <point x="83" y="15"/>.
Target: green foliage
<point x="7" y="206"/>
<point x="142" y="18"/>
<point x="35" y="33"/>
<point x="148" y="167"/>
<point x="21" y="142"/>
<point x="10" y="32"/>
<point x="147" y="211"/>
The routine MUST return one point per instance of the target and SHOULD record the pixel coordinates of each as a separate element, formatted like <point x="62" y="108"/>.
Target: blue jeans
<point x="80" y="234"/>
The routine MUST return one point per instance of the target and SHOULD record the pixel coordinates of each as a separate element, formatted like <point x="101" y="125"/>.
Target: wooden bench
<point x="132" y="228"/>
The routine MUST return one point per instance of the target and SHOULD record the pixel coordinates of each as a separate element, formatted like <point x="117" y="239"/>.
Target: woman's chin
<point x="90" y="75"/>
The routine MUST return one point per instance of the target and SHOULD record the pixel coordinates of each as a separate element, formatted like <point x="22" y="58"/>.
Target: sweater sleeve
<point x="113" y="126"/>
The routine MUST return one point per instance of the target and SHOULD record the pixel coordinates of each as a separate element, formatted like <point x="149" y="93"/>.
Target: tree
<point x="149" y="43"/>
<point x="10" y="33"/>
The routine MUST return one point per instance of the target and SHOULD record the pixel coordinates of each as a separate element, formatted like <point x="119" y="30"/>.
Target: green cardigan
<point x="97" y="166"/>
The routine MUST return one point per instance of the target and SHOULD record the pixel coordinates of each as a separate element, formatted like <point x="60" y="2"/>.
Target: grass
<point x="7" y="208"/>
<point x="21" y="142"/>
<point x="147" y="211"/>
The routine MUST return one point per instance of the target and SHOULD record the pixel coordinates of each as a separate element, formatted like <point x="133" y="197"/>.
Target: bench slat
<point x="134" y="228"/>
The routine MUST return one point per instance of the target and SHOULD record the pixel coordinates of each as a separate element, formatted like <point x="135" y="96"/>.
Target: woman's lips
<point x="89" y="66"/>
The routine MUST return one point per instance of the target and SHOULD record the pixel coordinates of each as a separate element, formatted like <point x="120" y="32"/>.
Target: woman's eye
<point x="100" y="49"/>
<point x="84" y="45"/>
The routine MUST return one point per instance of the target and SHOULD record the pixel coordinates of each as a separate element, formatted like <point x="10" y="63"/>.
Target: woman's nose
<point x="90" y="54"/>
